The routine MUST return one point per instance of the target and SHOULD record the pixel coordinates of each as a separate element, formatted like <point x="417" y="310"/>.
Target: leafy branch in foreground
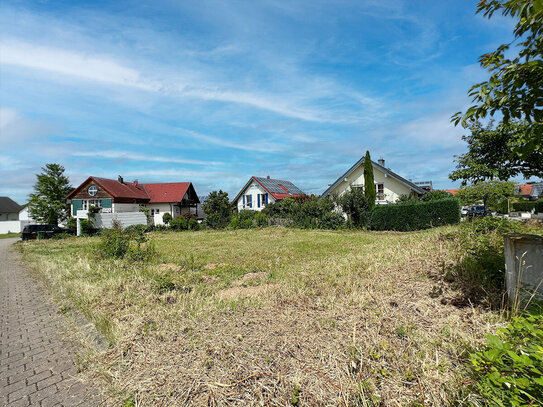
<point x="497" y="152"/>
<point x="514" y="88"/>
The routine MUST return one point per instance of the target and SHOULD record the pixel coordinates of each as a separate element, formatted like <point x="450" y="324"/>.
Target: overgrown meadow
<point x="274" y="316"/>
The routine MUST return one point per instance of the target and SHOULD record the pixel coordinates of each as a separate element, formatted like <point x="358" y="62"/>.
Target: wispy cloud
<point x="120" y="155"/>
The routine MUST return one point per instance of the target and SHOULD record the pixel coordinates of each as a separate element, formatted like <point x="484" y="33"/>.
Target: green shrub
<point x="193" y="224"/>
<point x="138" y="229"/>
<point x="436" y="195"/>
<point x="244" y="219"/>
<point x="87" y="228"/>
<point x="167" y="217"/>
<point x="308" y="212"/>
<point x="527" y="206"/>
<point x="261" y="220"/>
<point x="179" y="224"/>
<point x="482" y="242"/>
<point x="509" y="370"/>
<point x="218" y="210"/>
<point x="355" y="205"/>
<point x="416" y="215"/>
<point x="128" y="243"/>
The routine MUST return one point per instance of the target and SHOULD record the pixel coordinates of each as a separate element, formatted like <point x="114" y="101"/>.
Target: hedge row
<point x="527" y="206"/>
<point x="416" y="215"/>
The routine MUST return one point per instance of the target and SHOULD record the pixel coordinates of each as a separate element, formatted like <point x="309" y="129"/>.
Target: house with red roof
<point x="116" y="196"/>
<point x="259" y="191"/>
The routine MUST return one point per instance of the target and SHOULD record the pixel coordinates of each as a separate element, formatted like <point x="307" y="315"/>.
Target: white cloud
<point x="140" y="157"/>
<point x="298" y="101"/>
<point x="63" y="62"/>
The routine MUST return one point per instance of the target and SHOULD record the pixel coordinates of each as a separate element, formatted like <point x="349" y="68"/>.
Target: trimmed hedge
<point x="527" y="206"/>
<point x="416" y="215"/>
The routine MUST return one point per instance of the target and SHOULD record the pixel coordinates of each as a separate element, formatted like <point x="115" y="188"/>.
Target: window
<point x="157" y="211"/>
<point x="249" y="201"/>
<point x="152" y="212"/>
<point x="380" y="189"/>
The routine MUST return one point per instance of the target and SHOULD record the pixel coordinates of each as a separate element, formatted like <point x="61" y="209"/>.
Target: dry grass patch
<point x="272" y="317"/>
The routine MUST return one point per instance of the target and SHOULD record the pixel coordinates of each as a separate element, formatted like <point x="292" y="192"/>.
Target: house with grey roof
<point x="9" y="209"/>
<point x="389" y="186"/>
<point x="259" y="191"/>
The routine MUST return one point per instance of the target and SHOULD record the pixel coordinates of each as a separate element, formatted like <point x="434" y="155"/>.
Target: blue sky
<point x="213" y="92"/>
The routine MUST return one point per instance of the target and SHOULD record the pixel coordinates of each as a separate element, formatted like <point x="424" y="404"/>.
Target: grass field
<point x="271" y="317"/>
<point x="6" y="235"/>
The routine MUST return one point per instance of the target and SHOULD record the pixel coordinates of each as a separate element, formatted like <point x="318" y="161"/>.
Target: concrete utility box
<point x="524" y="267"/>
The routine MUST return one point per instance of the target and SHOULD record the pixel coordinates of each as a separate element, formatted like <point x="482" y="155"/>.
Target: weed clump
<point x="131" y="243"/>
<point x="508" y="370"/>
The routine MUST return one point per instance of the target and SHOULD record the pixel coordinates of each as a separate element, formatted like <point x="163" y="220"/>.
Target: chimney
<point x="120" y="179"/>
<point x="268" y="177"/>
<point x="381" y="162"/>
<point x="136" y="182"/>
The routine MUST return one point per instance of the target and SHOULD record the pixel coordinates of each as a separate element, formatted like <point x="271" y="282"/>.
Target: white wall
<point x="12" y="226"/>
<point x="105" y="220"/>
<point x="24" y="215"/>
<point x="125" y="207"/>
<point x="393" y="188"/>
<point x="253" y="189"/>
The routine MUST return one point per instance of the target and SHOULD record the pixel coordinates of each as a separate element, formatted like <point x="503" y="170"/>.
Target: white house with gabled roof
<point x="389" y="186"/>
<point x="259" y="191"/>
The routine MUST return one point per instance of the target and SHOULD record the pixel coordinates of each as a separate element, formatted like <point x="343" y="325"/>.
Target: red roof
<point x="525" y="189"/>
<point x="155" y="193"/>
<point x="167" y="192"/>
<point x="452" y="191"/>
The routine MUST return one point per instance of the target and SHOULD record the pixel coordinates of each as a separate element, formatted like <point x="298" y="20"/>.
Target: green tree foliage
<point x="217" y="209"/>
<point x="369" y="182"/>
<point x="508" y="371"/>
<point x="307" y="212"/>
<point x="488" y="192"/>
<point x="47" y="203"/>
<point x="355" y="205"/>
<point x="516" y="74"/>
<point x="497" y="152"/>
<point x="436" y="195"/>
<point x="166" y="218"/>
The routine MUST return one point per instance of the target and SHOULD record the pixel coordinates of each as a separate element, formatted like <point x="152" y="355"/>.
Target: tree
<point x="48" y="201"/>
<point x="515" y="85"/>
<point x="166" y="218"/>
<point x="369" y="182"/>
<point x="217" y="209"/>
<point x="436" y="195"/>
<point x="355" y="205"/>
<point x="496" y="152"/>
<point x="489" y="192"/>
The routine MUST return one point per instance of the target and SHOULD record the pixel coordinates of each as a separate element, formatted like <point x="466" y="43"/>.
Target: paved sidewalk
<point x="36" y="363"/>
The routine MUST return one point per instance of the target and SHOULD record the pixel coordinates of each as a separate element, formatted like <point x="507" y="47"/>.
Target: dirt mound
<point x="252" y="276"/>
<point x="233" y="293"/>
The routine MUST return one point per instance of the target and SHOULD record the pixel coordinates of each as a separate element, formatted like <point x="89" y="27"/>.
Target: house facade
<point x="118" y="196"/>
<point x="9" y="209"/>
<point x="259" y="192"/>
<point x="389" y="186"/>
<point x="531" y="191"/>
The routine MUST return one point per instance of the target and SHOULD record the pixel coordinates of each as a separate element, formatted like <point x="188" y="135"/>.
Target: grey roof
<point x="273" y="186"/>
<point x="8" y="205"/>
<point x="537" y="189"/>
<point x="379" y="167"/>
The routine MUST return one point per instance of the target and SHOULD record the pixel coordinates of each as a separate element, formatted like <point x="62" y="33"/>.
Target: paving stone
<point x="36" y="362"/>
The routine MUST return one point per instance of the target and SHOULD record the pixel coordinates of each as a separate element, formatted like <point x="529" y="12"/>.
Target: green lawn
<point x="6" y="235"/>
<point x="271" y="315"/>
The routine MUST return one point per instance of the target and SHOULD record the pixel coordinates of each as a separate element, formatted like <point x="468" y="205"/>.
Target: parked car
<point x="478" y="211"/>
<point x="41" y="231"/>
<point x="464" y="211"/>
